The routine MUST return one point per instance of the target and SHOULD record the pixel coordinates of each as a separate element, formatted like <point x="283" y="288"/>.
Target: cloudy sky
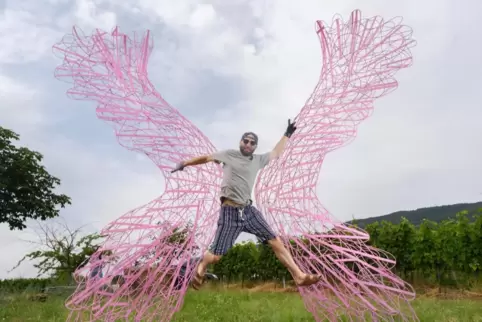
<point x="229" y="68"/>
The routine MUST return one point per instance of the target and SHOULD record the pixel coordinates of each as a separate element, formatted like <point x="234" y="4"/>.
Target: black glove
<point x="290" y="129"/>
<point x="179" y="167"/>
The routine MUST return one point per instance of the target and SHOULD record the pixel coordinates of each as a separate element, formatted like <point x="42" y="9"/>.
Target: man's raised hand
<point x="290" y="129"/>
<point x="179" y="167"/>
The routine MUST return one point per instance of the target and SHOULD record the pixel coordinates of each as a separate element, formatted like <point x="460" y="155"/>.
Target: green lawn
<point x="209" y="305"/>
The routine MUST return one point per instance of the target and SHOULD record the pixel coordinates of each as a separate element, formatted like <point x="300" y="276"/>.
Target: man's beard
<point x="245" y="153"/>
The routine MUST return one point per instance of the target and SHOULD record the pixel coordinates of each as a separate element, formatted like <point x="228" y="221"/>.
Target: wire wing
<point x="147" y="256"/>
<point x="360" y="59"/>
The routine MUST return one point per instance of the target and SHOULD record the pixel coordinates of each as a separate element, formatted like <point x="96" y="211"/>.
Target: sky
<point x="231" y="67"/>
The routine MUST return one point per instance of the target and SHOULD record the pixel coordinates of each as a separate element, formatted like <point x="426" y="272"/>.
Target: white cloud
<point x="202" y="16"/>
<point x="260" y="60"/>
<point x="87" y="15"/>
<point x="23" y="36"/>
<point x="16" y="108"/>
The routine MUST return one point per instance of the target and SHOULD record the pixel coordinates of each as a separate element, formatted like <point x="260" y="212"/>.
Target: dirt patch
<point x="433" y="292"/>
<point x="452" y="294"/>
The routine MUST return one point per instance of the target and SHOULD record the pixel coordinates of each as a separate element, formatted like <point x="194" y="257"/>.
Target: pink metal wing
<point x="148" y="251"/>
<point x="360" y="59"/>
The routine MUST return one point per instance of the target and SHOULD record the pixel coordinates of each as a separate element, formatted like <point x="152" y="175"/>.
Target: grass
<point x="235" y="305"/>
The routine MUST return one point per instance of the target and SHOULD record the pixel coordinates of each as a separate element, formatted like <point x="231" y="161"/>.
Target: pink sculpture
<point x="150" y="253"/>
<point x="360" y="59"/>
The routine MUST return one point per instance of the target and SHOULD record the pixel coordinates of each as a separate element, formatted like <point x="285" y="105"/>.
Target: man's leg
<point x="257" y="225"/>
<point x="230" y="225"/>
<point x="284" y="256"/>
<point x="208" y="258"/>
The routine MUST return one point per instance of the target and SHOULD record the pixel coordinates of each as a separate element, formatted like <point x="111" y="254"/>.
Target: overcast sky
<point x="231" y="67"/>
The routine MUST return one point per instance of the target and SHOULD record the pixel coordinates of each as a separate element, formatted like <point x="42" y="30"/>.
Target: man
<point x="237" y="213"/>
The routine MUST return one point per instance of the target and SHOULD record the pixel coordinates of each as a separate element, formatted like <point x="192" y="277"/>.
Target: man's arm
<point x="280" y="146"/>
<point x="194" y="161"/>
<point x="278" y="149"/>
<point x="218" y="157"/>
<point x="198" y="160"/>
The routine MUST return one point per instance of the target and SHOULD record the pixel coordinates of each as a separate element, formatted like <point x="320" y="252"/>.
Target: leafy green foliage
<point x="62" y="251"/>
<point x="240" y="263"/>
<point x="416" y="217"/>
<point x="17" y="285"/>
<point x="26" y="188"/>
<point x="448" y="253"/>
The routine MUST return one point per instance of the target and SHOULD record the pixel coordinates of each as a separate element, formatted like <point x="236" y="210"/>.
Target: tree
<point x="447" y="253"/>
<point x="26" y="188"/>
<point x="62" y="250"/>
<point x="239" y="263"/>
<point x="269" y="267"/>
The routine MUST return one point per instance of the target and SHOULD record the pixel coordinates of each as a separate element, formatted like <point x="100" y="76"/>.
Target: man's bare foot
<point x="307" y="280"/>
<point x="198" y="278"/>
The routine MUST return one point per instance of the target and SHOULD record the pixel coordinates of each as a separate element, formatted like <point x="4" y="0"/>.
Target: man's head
<point x="249" y="143"/>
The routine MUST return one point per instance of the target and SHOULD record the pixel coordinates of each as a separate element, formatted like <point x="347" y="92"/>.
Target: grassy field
<point x="235" y="305"/>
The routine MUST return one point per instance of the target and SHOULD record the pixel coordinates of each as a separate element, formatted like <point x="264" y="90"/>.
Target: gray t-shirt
<point x="239" y="173"/>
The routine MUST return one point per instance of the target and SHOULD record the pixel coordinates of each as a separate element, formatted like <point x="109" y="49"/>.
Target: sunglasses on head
<point x="251" y="142"/>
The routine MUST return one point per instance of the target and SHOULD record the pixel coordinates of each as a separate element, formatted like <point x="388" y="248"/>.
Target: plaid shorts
<point x="232" y="221"/>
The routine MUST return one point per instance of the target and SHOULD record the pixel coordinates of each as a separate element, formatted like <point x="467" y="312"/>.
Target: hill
<point x="437" y="214"/>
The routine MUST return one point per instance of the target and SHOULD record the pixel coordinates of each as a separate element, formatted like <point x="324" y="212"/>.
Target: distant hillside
<point x="436" y="214"/>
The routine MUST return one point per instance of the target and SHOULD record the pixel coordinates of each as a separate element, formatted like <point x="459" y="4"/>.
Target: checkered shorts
<point x="234" y="220"/>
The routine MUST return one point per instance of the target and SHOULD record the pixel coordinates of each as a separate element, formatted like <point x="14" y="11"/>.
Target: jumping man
<point x="237" y="212"/>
